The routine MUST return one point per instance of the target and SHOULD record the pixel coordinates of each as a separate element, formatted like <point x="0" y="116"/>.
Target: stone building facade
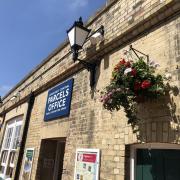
<point x="151" y="26"/>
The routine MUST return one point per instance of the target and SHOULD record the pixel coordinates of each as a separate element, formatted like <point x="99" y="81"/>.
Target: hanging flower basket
<point x="132" y="83"/>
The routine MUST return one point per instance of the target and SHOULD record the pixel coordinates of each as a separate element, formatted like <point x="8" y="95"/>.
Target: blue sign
<point x="59" y="101"/>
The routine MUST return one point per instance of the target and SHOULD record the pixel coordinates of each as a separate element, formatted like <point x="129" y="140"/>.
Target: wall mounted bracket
<point x="137" y="51"/>
<point x="92" y="68"/>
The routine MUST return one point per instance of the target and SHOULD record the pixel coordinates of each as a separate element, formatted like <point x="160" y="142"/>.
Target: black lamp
<point x="77" y="35"/>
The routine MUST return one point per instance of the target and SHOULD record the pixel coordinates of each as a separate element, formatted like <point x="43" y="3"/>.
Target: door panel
<point x="48" y="159"/>
<point x="60" y="160"/>
<point x="157" y="164"/>
<point x="50" y="163"/>
<point x="172" y="165"/>
<point x="144" y="165"/>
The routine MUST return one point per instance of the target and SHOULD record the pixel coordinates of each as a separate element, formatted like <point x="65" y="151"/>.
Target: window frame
<point x="14" y="123"/>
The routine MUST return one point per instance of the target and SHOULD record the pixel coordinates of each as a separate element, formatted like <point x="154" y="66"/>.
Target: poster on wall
<point x="59" y="100"/>
<point x="87" y="164"/>
<point x="28" y="161"/>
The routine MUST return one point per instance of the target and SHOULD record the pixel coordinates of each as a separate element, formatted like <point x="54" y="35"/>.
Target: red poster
<point x="89" y="158"/>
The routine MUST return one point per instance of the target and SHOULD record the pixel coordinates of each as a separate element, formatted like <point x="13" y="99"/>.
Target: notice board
<point x="87" y="164"/>
<point x="28" y="162"/>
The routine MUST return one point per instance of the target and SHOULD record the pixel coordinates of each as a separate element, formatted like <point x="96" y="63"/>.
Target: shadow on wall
<point x="160" y="121"/>
<point x="127" y="162"/>
<point x="98" y="72"/>
<point x="92" y="50"/>
<point x="91" y="127"/>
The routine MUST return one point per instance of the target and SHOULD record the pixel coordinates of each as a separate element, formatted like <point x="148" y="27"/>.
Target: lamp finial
<point x="80" y="21"/>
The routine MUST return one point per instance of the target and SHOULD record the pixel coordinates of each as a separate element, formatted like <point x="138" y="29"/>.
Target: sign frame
<point x="58" y="102"/>
<point x="25" y="155"/>
<point x="86" y="150"/>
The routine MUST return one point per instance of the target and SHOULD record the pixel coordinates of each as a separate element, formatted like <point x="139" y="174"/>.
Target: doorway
<point x="155" y="162"/>
<point x="51" y="158"/>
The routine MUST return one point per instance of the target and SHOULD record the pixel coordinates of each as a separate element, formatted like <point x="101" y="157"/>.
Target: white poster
<point x="87" y="164"/>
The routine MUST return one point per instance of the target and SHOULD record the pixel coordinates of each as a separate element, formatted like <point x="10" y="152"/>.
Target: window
<point x="9" y="147"/>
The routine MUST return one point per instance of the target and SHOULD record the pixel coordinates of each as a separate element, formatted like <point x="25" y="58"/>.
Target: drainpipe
<point x="24" y="135"/>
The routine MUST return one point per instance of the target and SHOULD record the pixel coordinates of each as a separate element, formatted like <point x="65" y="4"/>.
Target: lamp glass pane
<point x="81" y="36"/>
<point x="71" y="36"/>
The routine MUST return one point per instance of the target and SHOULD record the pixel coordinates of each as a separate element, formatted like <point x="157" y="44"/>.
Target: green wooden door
<point x="172" y="165"/>
<point x="158" y="164"/>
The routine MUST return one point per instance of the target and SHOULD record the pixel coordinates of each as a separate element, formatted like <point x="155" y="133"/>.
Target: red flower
<point x="122" y="62"/>
<point x="137" y="86"/>
<point x="128" y="64"/>
<point x="145" y="84"/>
<point x="133" y="72"/>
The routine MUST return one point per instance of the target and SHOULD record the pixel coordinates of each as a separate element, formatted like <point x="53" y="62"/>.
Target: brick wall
<point x="90" y="126"/>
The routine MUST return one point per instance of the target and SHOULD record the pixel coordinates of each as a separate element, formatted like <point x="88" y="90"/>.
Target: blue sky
<point x="30" y="30"/>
